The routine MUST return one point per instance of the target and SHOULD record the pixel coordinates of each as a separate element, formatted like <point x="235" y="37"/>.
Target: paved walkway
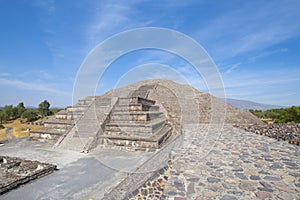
<point x="232" y="165"/>
<point x="241" y="165"/>
<point x="80" y="176"/>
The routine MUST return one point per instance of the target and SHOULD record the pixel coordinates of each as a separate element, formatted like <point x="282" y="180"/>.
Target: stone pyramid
<point x="140" y="116"/>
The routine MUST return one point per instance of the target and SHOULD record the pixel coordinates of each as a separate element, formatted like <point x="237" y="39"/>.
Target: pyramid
<point x="140" y="116"/>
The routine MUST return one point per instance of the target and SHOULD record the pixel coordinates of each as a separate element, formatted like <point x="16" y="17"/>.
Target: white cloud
<point x="32" y="86"/>
<point x="240" y="31"/>
<point x="112" y="18"/>
<point x="267" y="53"/>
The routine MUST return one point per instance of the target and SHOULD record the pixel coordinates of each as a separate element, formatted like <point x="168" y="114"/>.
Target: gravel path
<point x="241" y="165"/>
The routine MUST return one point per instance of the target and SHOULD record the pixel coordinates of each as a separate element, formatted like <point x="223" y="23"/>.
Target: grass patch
<point x="20" y="129"/>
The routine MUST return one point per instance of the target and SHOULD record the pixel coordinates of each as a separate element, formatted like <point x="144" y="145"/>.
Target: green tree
<point x="44" y="108"/>
<point x="3" y="117"/>
<point x="30" y="115"/>
<point x="282" y="115"/>
<point x="20" y="109"/>
<point x="9" y="111"/>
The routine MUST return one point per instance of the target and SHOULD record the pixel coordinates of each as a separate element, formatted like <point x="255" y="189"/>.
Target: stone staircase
<point x="84" y="134"/>
<point x="136" y="123"/>
<point x="63" y="121"/>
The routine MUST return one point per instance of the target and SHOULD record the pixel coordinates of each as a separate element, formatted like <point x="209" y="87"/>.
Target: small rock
<point x="230" y="181"/>
<point x="238" y="170"/>
<point x="235" y="192"/>
<point x="209" y="163"/>
<point x="179" y="198"/>
<point x="265" y="189"/>
<point x="276" y="166"/>
<point x="263" y="195"/>
<point x="263" y="172"/>
<point x="285" y="189"/>
<point x="172" y="193"/>
<point x="247" y="185"/>
<point x="254" y="177"/>
<point x="241" y="176"/>
<point x="213" y="180"/>
<point x="271" y="178"/>
<point x="265" y="184"/>
<point x="208" y="195"/>
<point x="228" y="197"/>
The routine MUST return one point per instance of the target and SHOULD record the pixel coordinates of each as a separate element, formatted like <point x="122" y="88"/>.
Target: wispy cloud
<point x="232" y="67"/>
<point x="267" y="53"/>
<point x="111" y="18"/>
<point x="266" y="86"/>
<point x="234" y="33"/>
<point x="32" y="86"/>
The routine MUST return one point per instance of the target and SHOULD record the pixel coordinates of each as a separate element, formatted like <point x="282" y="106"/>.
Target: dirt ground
<point x="19" y="129"/>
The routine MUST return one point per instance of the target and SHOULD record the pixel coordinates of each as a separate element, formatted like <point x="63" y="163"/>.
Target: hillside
<point x="247" y="105"/>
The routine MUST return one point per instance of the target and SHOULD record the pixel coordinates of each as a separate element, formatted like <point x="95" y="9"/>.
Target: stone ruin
<point x="15" y="172"/>
<point x="141" y="116"/>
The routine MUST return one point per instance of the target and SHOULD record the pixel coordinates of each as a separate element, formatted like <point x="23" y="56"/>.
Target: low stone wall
<point x="15" y="172"/>
<point x="151" y="168"/>
<point x="287" y="132"/>
<point x="154" y="187"/>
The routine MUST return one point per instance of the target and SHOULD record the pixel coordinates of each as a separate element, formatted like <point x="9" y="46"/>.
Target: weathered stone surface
<point x="228" y="197"/>
<point x="254" y="177"/>
<point x="15" y="172"/>
<point x="263" y="195"/>
<point x="237" y="179"/>
<point x="213" y="180"/>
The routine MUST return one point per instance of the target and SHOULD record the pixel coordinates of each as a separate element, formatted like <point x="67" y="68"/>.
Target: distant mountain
<point x="247" y="105"/>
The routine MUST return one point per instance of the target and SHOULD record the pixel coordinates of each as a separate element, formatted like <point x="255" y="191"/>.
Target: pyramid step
<point x="47" y="131"/>
<point x="103" y="102"/>
<point x="46" y="134"/>
<point x="135" y="116"/>
<point x="134" y="128"/>
<point x="67" y="115"/>
<point x="152" y="141"/>
<point x="58" y="121"/>
<point x="84" y="102"/>
<point x="135" y="100"/>
<point x="60" y="127"/>
<point x="77" y="108"/>
<point x="136" y="107"/>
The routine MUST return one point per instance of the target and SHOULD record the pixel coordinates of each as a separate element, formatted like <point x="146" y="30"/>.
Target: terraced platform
<point x="134" y="122"/>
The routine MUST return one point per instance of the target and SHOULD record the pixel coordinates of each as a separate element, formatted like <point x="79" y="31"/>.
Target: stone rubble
<point x="15" y="172"/>
<point x="286" y="132"/>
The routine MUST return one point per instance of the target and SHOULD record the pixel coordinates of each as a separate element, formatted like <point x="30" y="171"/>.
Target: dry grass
<point x="19" y="129"/>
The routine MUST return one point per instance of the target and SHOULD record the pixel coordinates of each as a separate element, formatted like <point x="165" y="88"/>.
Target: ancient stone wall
<point x="15" y="172"/>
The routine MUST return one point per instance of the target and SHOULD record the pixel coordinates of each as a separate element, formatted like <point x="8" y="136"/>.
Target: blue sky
<point x="255" y="45"/>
